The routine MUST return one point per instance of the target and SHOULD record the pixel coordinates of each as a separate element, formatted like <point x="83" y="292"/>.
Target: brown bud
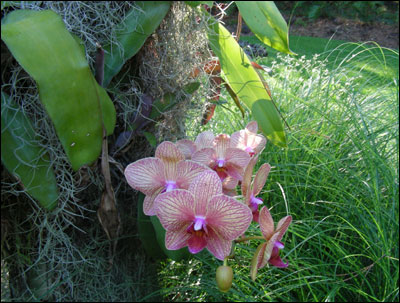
<point x="224" y="277"/>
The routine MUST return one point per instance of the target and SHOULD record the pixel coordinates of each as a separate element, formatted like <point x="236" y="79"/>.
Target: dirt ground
<point x="349" y="30"/>
<point x="339" y="29"/>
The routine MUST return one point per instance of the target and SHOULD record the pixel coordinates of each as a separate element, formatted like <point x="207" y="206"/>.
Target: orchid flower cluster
<point x="191" y="188"/>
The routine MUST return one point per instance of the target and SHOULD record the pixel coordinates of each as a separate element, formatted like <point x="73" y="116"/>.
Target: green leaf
<point x="132" y="32"/>
<point x="175" y="255"/>
<point x="245" y="82"/>
<point x="267" y="23"/>
<point x="76" y="104"/>
<point x="147" y="233"/>
<point x="23" y="157"/>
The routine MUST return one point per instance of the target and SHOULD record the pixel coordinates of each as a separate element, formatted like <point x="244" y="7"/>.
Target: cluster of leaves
<point x="80" y="107"/>
<point x="191" y="187"/>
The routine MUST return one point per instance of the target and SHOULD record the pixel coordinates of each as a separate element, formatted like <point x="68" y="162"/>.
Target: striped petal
<point x="187" y="172"/>
<point x="236" y="172"/>
<point x="266" y="223"/>
<point x="204" y="140"/>
<point x="282" y="226"/>
<point x="148" y="203"/>
<point x="237" y="157"/>
<point x="176" y="239"/>
<point x="238" y="139"/>
<point x="145" y="175"/>
<point x="204" y="187"/>
<point x="260" y="178"/>
<point x="229" y="183"/>
<point x="170" y="155"/>
<point x="205" y="156"/>
<point x="248" y="173"/>
<point x="228" y="217"/>
<point x="218" y="246"/>
<point x="187" y="147"/>
<point x="221" y="143"/>
<point x="175" y="209"/>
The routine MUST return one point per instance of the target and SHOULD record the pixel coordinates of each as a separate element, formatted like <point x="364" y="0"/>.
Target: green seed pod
<point x="224" y="277"/>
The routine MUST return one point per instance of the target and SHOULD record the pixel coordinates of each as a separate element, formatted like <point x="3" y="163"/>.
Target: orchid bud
<point x="224" y="277"/>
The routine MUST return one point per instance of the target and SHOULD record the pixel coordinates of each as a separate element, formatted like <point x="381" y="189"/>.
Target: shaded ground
<point x="339" y="29"/>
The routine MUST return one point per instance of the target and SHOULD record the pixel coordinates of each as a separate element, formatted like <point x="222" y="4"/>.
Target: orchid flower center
<point x="170" y="185"/>
<point x="279" y="245"/>
<point x="220" y="162"/>
<point x="249" y="150"/>
<point x="198" y="226"/>
<point x="221" y="169"/>
<point x="254" y="202"/>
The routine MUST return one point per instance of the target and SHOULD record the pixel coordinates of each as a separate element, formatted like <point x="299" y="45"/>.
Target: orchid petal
<point x="187" y="171"/>
<point x="170" y="155"/>
<point x="275" y="260"/>
<point x="268" y="251"/>
<point x="256" y="260"/>
<point x="218" y="246"/>
<point x="237" y="157"/>
<point x="221" y="143"/>
<point x="228" y="217"/>
<point x="282" y="226"/>
<point x="145" y="175"/>
<point x="238" y="139"/>
<point x="248" y="173"/>
<point x="260" y="178"/>
<point x="205" y="156"/>
<point x="266" y="223"/>
<point x="187" y="147"/>
<point x="148" y="203"/>
<point x="204" y="140"/>
<point x="204" y="187"/>
<point x="196" y="244"/>
<point x="257" y="142"/>
<point x="252" y="126"/>
<point x="175" y="209"/>
<point x="177" y="239"/>
<point x="236" y="172"/>
<point x="229" y="183"/>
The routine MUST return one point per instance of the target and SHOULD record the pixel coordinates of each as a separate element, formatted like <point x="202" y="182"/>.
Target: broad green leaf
<point x="147" y="233"/>
<point x="266" y="22"/>
<point x="245" y="82"/>
<point x="76" y="104"/>
<point x="23" y="157"/>
<point x="131" y="33"/>
<point x="175" y="255"/>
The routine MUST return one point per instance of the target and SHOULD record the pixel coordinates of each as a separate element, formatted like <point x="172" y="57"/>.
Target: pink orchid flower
<point x="167" y="171"/>
<point x="202" y="216"/>
<point x="203" y="140"/>
<point x="268" y="252"/>
<point x="228" y="162"/>
<point x="251" y="190"/>
<point x="248" y="140"/>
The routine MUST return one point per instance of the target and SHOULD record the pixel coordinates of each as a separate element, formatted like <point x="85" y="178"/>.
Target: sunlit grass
<point x="338" y="178"/>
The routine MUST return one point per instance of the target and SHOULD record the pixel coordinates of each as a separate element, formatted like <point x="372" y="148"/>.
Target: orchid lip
<point x="170" y="185"/>
<point x="279" y="244"/>
<point x="255" y="200"/>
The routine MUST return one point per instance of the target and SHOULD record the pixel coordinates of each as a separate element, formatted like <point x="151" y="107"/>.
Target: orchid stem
<point x="249" y="238"/>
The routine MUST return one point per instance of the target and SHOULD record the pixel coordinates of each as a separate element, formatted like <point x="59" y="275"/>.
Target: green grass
<point x="338" y="178"/>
